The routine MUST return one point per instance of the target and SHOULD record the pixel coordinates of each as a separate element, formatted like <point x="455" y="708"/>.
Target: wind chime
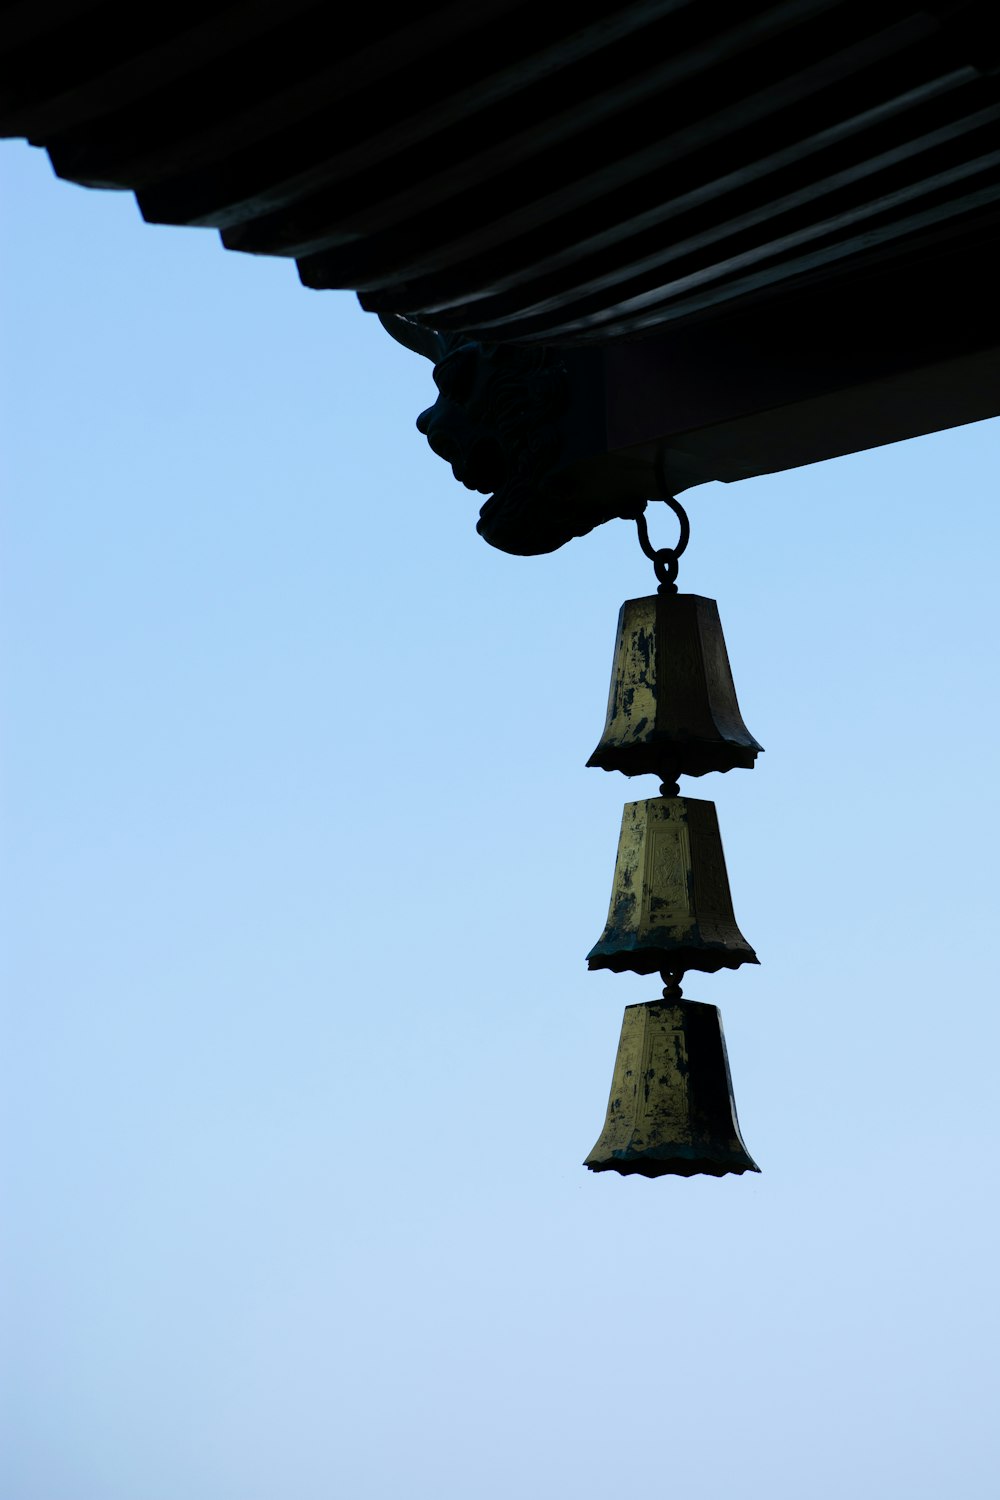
<point x="672" y="711"/>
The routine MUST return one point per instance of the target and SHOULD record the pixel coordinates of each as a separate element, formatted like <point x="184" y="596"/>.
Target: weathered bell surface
<point x="672" y="708"/>
<point x="671" y="1109"/>
<point x="670" y="902"/>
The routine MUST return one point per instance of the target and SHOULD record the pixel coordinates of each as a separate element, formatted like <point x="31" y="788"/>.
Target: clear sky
<point x="301" y="864"/>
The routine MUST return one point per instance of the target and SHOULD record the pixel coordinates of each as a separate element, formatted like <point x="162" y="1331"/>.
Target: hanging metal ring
<point x="665" y="560"/>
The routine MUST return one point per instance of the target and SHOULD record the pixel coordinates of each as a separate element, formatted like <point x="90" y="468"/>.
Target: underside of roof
<point x="497" y="169"/>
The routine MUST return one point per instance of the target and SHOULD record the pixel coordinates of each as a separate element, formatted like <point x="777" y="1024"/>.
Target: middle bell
<point x="670" y="904"/>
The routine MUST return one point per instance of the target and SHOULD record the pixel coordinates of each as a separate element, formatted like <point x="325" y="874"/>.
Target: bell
<point x="671" y="1109"/>
<point x="672" y="708"/>
<point x="670" y="902"/>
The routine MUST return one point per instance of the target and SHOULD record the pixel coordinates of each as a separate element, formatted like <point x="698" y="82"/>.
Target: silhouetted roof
<point x="493" y="166"/>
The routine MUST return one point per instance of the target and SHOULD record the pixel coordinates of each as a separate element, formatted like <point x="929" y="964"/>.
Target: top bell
<point x="672" y="708"/>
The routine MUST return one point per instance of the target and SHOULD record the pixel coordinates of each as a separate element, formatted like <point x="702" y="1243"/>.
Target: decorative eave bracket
<point x="562" y="439"/>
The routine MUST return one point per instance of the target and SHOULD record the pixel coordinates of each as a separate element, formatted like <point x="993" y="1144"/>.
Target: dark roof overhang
<point x="766" y="231"/>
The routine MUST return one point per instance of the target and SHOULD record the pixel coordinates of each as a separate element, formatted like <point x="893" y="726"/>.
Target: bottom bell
<point x="671" y="1110"/>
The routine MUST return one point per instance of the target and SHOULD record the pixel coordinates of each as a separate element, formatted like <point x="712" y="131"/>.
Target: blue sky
<point x="302" y="863"/>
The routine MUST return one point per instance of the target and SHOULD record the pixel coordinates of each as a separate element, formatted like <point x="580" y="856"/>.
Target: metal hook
<point x="665" y="559"/>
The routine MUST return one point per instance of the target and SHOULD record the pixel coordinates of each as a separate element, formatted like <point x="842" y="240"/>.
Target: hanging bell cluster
<point x="672" y="711"/>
